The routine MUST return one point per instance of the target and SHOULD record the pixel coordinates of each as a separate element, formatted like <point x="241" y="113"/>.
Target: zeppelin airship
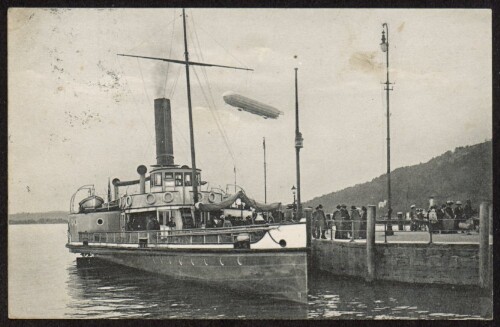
<point x="252" y="106"/>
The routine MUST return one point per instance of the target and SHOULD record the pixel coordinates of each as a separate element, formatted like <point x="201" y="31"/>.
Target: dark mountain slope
<point x="465" y="173"/>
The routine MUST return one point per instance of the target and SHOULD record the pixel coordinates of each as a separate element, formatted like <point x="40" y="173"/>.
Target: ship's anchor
<point x="238" y="260"/>
<point x="192" y="262"/>
<point x="205" y="261"/>
<point x="220" y="260"/>
<point x="180" y="262"/>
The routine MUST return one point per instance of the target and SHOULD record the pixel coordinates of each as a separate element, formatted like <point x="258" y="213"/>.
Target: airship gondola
<point x="249" y="105"/>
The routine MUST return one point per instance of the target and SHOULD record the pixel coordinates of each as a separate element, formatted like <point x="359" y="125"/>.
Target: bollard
<point x="308" y="232"/>
<point x="490" y="212"/>
<point x="484" y="245"/>
<point x="430" y="232"/>
<point x="352" y="231"/>
<point x="370" y="243"/>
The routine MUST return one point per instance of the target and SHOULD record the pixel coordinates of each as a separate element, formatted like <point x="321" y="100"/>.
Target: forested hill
<point x="465" y="173"/>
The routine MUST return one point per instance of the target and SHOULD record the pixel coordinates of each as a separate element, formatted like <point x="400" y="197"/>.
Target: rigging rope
<point x="169" y="55"/>
<point x="136" y="105"/>
<point x="172" y="90"/>
<point x="211" y="104"/>
<point x="219" y="125"/>
<point x="150" y="140"/>
<point x="227" y="51"/>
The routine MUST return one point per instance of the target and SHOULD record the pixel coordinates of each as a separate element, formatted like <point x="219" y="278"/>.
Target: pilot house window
<point x="168" y="181"/>
<point x="178" y="179"/>
<point x="157" y="179"/>
<point x="187" y="179"/>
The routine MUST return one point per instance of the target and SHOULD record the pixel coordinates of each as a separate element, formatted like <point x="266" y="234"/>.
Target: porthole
<point x="100" y="221"/>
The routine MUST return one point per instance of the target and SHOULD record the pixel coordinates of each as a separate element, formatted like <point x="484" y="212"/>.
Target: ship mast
<point x="188" y="63"/>
<point x="194" y="178"/>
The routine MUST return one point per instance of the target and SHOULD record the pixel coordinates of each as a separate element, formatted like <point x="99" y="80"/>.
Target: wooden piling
<point x="370" y="243"/>
<point x="484" y="246"/>
<point x="490" y="216"/>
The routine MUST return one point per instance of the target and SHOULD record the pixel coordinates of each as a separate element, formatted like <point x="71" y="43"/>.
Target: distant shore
<point x="38" y="221"/>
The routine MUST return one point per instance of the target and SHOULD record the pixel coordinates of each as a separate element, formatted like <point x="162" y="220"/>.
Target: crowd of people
<point x="444" y="218"/>
<point x="450" y="217"/>
<point x="231" y="221"/>
<point x="349" y="224"/>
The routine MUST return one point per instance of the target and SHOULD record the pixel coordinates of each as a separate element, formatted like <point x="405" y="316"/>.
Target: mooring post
<point x="490" y="212"/>
<point x="385" y="231"/>
<point x="484" y="246"/>
<point x="370" y="243"/>
<point x="430" y="232"/>
<point x="352" y="231"/>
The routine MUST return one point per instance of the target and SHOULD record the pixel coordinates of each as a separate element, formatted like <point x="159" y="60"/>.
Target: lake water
<point x="43" y="282"/>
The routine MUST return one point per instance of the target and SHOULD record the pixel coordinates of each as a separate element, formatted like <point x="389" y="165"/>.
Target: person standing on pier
<point x="346" y="226"/>
<point x="420" y="219"/>
<point x="432" y="218"/>
<point x="468" y="211"/>
<point x="413" y="218"/>
<point x="355" y="221"/>
<point x="321" y="222"/>
<point x="364" y="216"/>
<point x="337" y="218"/>
<point x="315" y="223"/>
<point x="449" y="218"/>
<point x="459" y="215"/>
<point x="440" y="215"/>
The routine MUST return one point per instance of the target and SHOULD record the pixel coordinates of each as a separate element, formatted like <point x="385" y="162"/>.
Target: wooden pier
<point x="450" y="259"/>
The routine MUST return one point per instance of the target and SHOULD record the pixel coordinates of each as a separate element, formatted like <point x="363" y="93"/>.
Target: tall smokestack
<point x="163" y="129"/>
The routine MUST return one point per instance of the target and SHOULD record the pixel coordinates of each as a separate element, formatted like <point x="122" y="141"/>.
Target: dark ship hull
<point x="277" y="274"/>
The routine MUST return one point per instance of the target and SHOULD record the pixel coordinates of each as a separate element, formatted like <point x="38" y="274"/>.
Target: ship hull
<point x="276" y="274"/>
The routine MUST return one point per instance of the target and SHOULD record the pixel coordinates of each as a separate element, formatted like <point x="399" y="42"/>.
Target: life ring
<point x="211" y="197"/>
<point x="150" y="198"/>
<point x="168" y="197"/>
<point x="128" y="201"/>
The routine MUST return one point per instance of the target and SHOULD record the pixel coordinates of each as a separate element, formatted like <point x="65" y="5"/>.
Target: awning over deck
<point x="227" y="203"/>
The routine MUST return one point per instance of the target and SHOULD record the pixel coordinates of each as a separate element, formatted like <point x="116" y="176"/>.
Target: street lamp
<point x="293" y="206"/>
<point x="299" y="143"/>
<point x="384" y="46"/>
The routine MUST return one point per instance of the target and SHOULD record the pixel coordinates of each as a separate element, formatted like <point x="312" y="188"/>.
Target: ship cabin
<point x="164" y="202"/>
<point x="167" y="199"/>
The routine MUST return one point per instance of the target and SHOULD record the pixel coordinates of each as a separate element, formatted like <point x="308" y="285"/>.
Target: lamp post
<point x="385" y="48"/>
<point x="298" y="145"/>
<point x="293" y="206"/>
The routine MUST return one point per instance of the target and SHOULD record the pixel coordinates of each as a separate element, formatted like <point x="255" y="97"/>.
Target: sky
<point x="79" y="114"/>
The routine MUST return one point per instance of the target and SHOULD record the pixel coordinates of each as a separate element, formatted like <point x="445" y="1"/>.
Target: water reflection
<point x="347" y="298"/>
<point x="116" y="291"/>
